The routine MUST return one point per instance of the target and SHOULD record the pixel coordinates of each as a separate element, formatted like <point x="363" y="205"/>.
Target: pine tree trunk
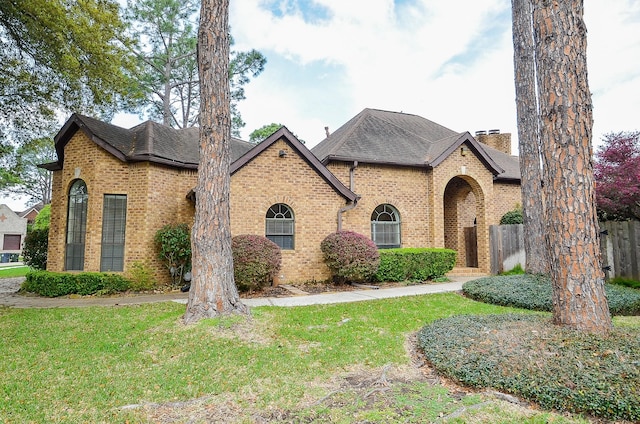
<point x="213" y="291"/>
<point x="529" y="138"/>
<point x="579" y="299"/>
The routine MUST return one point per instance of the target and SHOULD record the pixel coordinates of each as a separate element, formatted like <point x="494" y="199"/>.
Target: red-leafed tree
<point x="617" y="173"/>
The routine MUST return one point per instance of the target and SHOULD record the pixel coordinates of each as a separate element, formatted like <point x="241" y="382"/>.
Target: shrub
<point x="512" y="217"/>
<point x="554" y="367"/>
<point x="414" y="264"/>
<point x="627" y="282"/>
<point x="350" y="256"/>
<point x="256" y="261"/>
<point x="55" y="284"/>
<point x="534" y="292"/>
<point x="174" y="250"/>
<point x="34" y="251"/>
<point x="140" y="277"/>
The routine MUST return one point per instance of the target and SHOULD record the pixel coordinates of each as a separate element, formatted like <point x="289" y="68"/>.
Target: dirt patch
<point x="357" y="391"/>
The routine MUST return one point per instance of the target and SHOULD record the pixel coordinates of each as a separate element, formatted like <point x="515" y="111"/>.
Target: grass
<point x="328" y="363"/>
<point x="627" y="282"/>
<point x="10" y="272"/>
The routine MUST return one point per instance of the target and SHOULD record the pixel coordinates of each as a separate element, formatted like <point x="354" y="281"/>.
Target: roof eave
<point x="161" y="160"/>
<point x="510" y="180"/>
<point x="50" y="166"/>
<point x="337" y="158"/>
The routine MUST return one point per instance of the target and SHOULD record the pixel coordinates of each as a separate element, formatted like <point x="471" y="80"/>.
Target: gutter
<point x="351" y="186"/>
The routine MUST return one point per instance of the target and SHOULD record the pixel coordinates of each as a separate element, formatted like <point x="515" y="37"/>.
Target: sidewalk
<point x="357" y="295"/>
<point x="9" y="298"/>
<point x="4" y="265"/>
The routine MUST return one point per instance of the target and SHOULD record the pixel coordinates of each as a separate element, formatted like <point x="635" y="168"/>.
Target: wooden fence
<point x="619" y="243"/>
<point x="506" y="243"/>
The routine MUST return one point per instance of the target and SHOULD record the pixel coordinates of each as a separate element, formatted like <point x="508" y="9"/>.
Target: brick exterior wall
<point x="156" y="196"/>
<point x="434" y="204"/>
<point x="406" y="189"/>
<point x="508" y="196"/>
<point x="269" y="179"/>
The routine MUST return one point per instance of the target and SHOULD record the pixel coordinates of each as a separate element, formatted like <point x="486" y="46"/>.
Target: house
<point x="31" y="213"/>
<point x="422" y="184"/>
<point x="398" y="178"/>
<point x="13" y="230"/>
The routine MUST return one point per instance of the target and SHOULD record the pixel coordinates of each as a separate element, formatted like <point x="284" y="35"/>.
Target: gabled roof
<point x="36" y="208"/>
<point x="284" y="134"/>
<point x="149" y="141"/>
<point x="395" y="138"/>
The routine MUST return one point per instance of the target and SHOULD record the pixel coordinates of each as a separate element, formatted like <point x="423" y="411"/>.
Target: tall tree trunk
<point x="166" y="99"/>
<point x="529" y="138"/>
<point x="579" y="299"/>
<point x="213" y="291"/>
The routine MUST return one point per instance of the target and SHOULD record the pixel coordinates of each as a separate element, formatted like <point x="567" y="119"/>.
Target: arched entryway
<point x="463" y="214"/>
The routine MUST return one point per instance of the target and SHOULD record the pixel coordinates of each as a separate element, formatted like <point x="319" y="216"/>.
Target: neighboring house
<point x="31" y="213"/>
<point x="13" y="230"/>
<point x="398" y="178"/>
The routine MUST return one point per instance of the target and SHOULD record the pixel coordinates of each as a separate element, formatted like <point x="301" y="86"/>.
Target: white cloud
<point x="448" y="61"/>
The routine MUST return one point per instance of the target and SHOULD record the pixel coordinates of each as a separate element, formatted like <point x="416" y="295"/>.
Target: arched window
<point x="279" y="225"/>
<point x="76" y="226"/>
<point x="385" y="226"/>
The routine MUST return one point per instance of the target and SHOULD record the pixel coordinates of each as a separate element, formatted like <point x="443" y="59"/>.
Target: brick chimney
<point x="493" y="138"/>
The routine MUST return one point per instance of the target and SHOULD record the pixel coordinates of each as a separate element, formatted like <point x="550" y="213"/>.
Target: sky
<point x="448" y="61"/>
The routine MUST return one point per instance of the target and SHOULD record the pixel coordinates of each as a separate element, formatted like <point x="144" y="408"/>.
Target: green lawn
<point x="329" y="363"/>
<point x="18" y="271"/>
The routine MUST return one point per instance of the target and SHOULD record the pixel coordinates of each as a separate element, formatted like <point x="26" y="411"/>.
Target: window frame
<point x="114" y="228"/>
<point x="76" y="233"/>
<point x="280" y="227"/>
<point x="379" y="228"/>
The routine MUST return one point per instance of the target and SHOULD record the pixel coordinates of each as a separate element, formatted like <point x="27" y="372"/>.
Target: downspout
<point x="351" y="187"/>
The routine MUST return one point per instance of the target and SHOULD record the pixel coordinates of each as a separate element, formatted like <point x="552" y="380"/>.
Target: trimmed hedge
<point x="256" y="261"/>
<point x="55" y="284"/>
<point x="534" y="292"/>
<point x="527" y="356"/>
<point x="414" y="264"/>
<point x="350" y="256"/>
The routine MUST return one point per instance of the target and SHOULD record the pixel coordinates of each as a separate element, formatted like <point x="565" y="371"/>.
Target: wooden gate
<point x="471" y="246"/>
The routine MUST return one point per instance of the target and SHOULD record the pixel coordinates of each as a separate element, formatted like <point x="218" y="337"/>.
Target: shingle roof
<point x="395" y="138"/>
<point x="149" y="141"/>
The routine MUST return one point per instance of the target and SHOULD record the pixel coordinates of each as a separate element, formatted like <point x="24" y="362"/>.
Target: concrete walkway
<point x="355" y="295"/>
<point x="9" y="297"/>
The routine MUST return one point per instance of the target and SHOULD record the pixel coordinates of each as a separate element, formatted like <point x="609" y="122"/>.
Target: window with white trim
<point x="279" y="226"/>
<point x="385" y="226"/>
